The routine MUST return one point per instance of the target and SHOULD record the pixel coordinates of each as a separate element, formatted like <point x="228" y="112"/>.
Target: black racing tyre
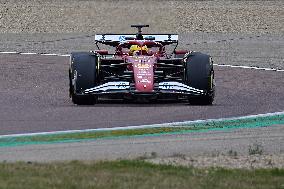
<point x="200" y="74"/>
<point x="82" y="75"/>
<point x="83" y="100"/>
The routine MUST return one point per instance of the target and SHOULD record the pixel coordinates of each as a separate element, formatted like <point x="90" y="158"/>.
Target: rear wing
<point x="115" y="39"/>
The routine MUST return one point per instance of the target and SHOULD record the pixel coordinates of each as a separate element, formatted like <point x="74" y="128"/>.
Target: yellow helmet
<point x="145" y="48"/>
<point x="134" y="48"/>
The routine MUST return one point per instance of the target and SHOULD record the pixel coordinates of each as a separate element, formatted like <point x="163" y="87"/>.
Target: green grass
<point x="132" y="174"/>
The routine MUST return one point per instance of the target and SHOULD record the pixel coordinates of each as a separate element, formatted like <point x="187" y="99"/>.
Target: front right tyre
<point x="82" y="76"/>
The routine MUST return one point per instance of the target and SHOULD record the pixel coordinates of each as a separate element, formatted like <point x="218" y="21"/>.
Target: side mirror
<point x="180" y="51"/>
<point x="102" y="52"/>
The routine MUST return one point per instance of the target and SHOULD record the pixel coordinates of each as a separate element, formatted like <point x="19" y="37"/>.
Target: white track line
<point x="12" y="52"/>
<point x="248" y="67"/>
<point x="28" y="53"/>
<point x="50" y="54"/>
<point x="64" y="55"/>
<point x="173" y="124"/>
<point x="220" y="65"/>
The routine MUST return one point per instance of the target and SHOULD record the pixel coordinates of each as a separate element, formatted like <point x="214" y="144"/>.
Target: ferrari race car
<point x="140" y="67"/>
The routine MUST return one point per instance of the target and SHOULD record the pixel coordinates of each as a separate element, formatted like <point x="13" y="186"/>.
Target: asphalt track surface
<point x="34" y="98"/>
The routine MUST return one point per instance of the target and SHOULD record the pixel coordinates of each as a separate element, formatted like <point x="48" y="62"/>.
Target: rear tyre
<point x="200" y="75"/>
<point x="82" y="76"/>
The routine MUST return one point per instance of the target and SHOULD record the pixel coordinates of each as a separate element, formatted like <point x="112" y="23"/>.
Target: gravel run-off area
<point x="67" y="16"/>
<point x="224" y="161"/>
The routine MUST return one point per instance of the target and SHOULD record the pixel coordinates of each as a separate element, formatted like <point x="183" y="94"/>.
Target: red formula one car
<point x="141" y="68"/>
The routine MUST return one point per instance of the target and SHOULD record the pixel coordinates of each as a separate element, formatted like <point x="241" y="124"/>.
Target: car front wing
<point x="162" y="87"/>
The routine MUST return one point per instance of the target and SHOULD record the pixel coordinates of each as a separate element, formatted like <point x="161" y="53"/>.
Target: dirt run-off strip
<point x="263" y="120"/>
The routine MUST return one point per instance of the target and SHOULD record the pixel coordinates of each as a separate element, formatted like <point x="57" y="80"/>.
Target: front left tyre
<point x="200" y="75"/>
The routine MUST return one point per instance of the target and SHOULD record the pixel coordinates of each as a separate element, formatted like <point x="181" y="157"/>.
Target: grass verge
<point x="174" y="129"/>
<point x="132" y="174"/>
